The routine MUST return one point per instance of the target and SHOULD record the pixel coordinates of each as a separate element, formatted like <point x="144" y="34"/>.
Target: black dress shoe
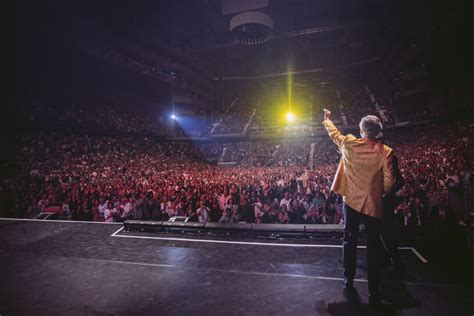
<point x="348" y="283"/>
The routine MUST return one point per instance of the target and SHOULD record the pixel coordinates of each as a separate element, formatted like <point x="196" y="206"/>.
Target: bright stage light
<point x="290" y="117"/>
<point x="173" y="117"/>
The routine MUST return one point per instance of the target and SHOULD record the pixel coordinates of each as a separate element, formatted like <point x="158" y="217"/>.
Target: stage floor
<point x="75" y="268"/>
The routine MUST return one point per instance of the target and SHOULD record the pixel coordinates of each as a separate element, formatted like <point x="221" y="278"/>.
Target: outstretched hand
<point x="327" y="114"/>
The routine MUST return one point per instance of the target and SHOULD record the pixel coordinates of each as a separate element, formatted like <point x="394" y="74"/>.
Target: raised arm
<point x="336" y="136"/>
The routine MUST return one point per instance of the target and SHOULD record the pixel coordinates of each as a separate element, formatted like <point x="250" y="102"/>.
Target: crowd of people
<point x="234" y="119"/>
<point x="111" y="179"/>
<point x="265" y="152"/>
<point x="105" y="178"/>
<point x="400" y="117"/>
<point x="235" y="152"/>
<point x="437" y="167"/>
<point x="102" y="118"/>
<point x="292" y="153"/>
<point x="349" y="102"/>
<point x="356" y="103"/>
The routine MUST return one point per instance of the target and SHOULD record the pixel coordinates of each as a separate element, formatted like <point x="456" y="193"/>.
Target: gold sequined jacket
<point x="365" y="172"/>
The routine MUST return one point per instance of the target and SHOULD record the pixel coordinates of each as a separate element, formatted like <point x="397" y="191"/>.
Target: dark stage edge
<point x="67" y="268"/>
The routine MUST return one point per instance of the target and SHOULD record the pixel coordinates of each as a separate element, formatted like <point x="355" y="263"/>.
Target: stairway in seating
<point x="226" y="112"/>
<point x="311" y="156"/>
<point x="221" y="158"/>
<point x="380" y="109"/>
<point x="250" y="118"/>
<point x="341" y="108"/>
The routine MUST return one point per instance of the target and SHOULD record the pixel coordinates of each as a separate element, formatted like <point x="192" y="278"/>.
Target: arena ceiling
<point x="320" y="40"/>
<point x="337" y="33"/>
<point x="332" y="40"/>
<point x="308" y="34"/>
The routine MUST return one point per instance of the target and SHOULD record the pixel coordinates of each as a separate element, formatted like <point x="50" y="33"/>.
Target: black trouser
<point x="391" y="233"/>
<point x="352" y="219"/>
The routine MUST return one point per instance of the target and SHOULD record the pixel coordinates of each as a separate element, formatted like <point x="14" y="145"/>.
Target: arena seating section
<point x="83" y="158"/>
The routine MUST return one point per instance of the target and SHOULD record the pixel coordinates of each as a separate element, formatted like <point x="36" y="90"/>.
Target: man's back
<point x="364" y="173"/>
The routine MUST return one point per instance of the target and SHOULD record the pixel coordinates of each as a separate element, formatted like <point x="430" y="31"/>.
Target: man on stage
<point x="365" y="173"/>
